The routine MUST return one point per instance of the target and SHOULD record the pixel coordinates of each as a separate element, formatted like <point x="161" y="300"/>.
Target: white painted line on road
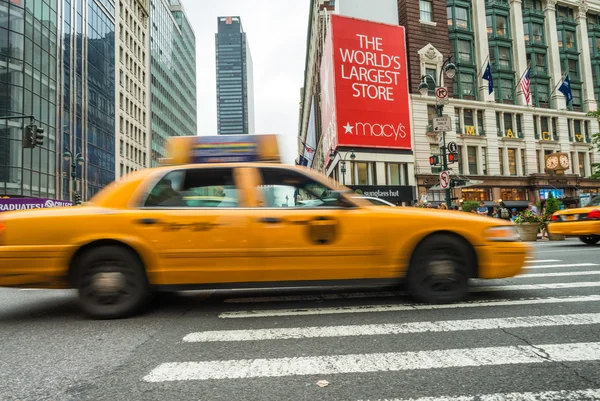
<point x="378" y="362"/>
<point x="561" y="274"/>
<point x="563" y="265"/>
<point x="393" y="328"/>
<point x="389" y="294"/>
<point x="579" y="249"/>
<point x="542" y="261"/>
<point x="404" y="307"/>
<point x="523" y="287"/>
<point x="563" y="395"/>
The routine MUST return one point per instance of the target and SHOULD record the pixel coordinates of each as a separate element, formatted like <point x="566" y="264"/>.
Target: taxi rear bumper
<point x="502" y="259"/>
<point x="575" y="228"/>
<point x="28" y="267"/>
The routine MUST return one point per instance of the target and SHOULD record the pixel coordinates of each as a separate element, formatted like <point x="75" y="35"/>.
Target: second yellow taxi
<point x="226" y="214"/>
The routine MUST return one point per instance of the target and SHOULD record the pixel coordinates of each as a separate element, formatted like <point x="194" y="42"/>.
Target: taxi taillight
<point x="554" y="217"/>
<point x="594" y="214"/>
<point x="2" y="227"/>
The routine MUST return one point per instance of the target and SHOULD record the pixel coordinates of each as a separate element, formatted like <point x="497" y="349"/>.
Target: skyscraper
<point x="173" y="70"/>
<point x="235" y="91"/>
<point x="133" y="94"/>
<point x="28" y="86"/>
<point x="86" y="107"/>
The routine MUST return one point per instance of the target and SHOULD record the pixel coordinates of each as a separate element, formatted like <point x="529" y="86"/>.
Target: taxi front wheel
<point x="590" y="239"/>
<point x="440" y="270"/>
<point x="111" y="282"/>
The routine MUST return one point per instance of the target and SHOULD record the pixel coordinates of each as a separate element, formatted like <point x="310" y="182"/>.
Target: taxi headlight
<point x="502" y="233"/>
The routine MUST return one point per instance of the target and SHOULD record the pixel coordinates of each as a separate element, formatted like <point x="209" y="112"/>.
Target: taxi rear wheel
<point x="111" y="282"/>
<point x="590" y="239"/>
<point x="440" y="270"/>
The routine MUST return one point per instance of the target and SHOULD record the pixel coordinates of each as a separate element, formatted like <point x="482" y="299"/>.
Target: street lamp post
<point x="75" y="161"/>
<point x="332" y="154"/>
<point x="450" y="69"/>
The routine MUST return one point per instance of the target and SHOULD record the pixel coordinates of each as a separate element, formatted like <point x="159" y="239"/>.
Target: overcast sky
<point x="276" y="32"/>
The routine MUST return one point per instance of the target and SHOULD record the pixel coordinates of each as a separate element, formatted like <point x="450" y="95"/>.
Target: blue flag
<point x="565" y="89"/>
<point x="487" y="75"/>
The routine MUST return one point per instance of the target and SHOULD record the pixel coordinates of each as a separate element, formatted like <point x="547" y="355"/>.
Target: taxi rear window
<point x="193" y="188"/>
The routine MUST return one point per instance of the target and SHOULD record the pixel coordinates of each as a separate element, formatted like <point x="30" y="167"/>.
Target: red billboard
<point x="366" y="101"/>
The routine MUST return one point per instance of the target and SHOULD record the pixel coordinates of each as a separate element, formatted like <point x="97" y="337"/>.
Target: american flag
<point x="525" y="86"/>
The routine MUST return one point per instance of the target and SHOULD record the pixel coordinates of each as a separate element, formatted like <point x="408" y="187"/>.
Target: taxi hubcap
<point x="442" y="276"/>
<point x="108" y="282"/>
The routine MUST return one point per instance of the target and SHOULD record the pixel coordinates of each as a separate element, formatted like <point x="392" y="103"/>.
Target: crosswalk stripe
<point x="377" y="362"/>
<point x="563" y="265"/>
<point x="549" y="286"/>
<point x="542" y="261"/>
<point x="561" y="274"/>
<point x="385" y="329"/>
<point x="404" y="307"/>
<point x="388" y="294"/>
<point x="563" y="395"/>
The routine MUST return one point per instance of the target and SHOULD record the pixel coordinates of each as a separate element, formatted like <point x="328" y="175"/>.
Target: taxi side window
<point x="195" y="188"/>
<point x="288" y="188"/>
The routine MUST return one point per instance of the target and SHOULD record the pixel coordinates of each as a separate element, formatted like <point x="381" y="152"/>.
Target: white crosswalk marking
<point x="404" y="328"/>
<point x="561" y="266"/>
<point x="452" y="346"/>
<point x="377" y="362"/>
<point x="388" y="294"/>
<point x="405" y="307"/>
<point x="577" y="395"/>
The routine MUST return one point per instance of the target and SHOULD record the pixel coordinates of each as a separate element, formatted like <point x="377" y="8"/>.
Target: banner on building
<point x="364" y="80"/>
<point x="10" y="204"/>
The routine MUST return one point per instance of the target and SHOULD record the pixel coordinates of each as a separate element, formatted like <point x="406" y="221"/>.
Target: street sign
<point x="441" y="95"/>
<point x="452" y="147"/>
<point x="444" y="179"/>
<point x="442" y="124"/>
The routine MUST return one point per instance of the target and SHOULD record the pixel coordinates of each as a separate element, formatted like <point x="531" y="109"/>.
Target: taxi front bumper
<point x="502" y="259"/>
<point x="28" y="267"/>
<point x="575" y="228"/>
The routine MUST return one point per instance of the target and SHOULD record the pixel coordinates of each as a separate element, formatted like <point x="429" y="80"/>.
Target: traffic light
<point x="457" y="183"/>
<point x="452" y="157"/>
<point x="39" y="136"/>
<point x="434" y="160"/>
<point x="28" y="134"/>
<point x="33" y="136"/>
<point x="77" y="198"/>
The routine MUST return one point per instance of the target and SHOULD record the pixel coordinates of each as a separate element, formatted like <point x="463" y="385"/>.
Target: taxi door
<point x="195" y="221"/>
<point x="308" y="240"/>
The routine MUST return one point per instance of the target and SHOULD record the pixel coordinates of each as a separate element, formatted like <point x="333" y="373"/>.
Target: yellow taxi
<point x="237" y="218"/>
<point x="583" y="222"/>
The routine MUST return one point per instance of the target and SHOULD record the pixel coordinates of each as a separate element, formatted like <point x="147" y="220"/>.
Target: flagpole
<point x="562" y="78"/>
<point x="481" y="70"/>
<point x="526" y="69"/>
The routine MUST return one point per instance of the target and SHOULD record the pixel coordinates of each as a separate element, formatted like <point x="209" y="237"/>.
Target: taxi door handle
<point x="147" y="221"/>
<point x="270" y="220"/>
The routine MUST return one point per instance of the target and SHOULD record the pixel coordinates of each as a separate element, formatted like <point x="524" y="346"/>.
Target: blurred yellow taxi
<point x="226" y="214"/>
<point x="583" y="222"/>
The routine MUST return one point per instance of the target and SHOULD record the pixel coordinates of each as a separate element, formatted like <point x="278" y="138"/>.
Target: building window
<point x="396" y="174"/>
<point x="582" y="170"/>
<point x="426" y="9"/>
<point x="460" y="160"/>
<point x="537" y="157"/>
<point x="523" y="162"/>
<point x="484" y="160"/>
<point x="501" y="159"/>
<point x="476" y="194"/>
<point x="472" y="159"/>
<point x="513" y="194"/>
<point x="512" y="161"/>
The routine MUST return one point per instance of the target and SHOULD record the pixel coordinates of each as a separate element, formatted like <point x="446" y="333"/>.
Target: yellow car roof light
<point x="222" y="149"/>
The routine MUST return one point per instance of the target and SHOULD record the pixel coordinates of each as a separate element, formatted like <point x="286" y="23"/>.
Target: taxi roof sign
<point x="223" y="149"/>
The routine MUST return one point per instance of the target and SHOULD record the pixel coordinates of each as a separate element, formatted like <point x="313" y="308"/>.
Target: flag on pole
<point x="308" y="149"/>
<point x="487" y="75"/>
<point x="526" y="86"/>
<point x="565" y="89"/>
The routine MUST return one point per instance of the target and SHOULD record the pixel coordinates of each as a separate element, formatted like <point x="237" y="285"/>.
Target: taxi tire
<point x="590" y="239"/>
<point x="440" y="248"/>
<point x="112" y="259"/>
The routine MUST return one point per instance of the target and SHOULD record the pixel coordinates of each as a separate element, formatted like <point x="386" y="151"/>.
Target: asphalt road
<point x="533" y="336"/>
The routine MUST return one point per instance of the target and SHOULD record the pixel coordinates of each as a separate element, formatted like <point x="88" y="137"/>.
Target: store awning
<point x="516" y="204"/>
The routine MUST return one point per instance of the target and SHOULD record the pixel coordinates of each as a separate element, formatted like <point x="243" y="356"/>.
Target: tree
<point x="596" y="142"/>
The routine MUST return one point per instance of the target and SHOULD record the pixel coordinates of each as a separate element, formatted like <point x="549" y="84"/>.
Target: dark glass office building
<point x="235" y="92"/>
<point x="87" y="101"/>
<point x="28" y="86"/>
<point x="173" y="72"/>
